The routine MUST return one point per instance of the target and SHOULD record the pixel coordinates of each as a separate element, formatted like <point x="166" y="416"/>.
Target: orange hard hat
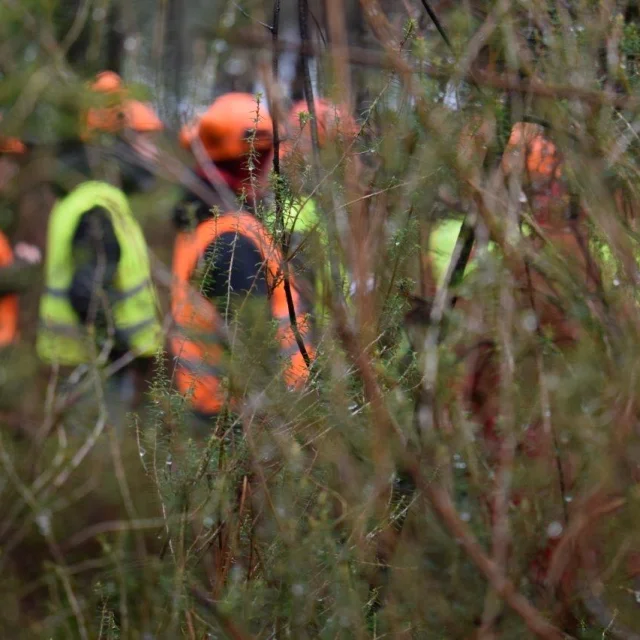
<point x="121" y="112"/>
<point x="541" y="156"/>
<point x="141" y="117"/>
<point x="11" y="145"/>
<point x="107" y="82"/>
<point x="332" y="121"/>
<point x="231" y="127"/>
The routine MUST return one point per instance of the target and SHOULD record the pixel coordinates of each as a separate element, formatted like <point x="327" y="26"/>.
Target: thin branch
<point x="441" y="501"/>
<point x="275" y="33"/>
<point x="594" y="507"/>
<point x="545" y="404"/>
<point x="227" y="624"/>
<point x="111" y="526"/>
<point x="318" y="27"/>
<point x="79" y="21"/>
<point x="246" y="15"/>
<point x="303" y="16"/>
<point x="501" y="534"/>
<point x="437" y="23"/>
<point x="278" y="196"/>
<point x="389" y="433"/>
<point x="292" y="316"/>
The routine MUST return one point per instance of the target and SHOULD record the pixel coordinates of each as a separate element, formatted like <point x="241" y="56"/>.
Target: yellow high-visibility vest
<point x="62" y="338"/>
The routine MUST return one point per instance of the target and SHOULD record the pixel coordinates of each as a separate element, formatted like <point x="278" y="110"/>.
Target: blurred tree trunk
<point x="173" y="61"/>
<point x="115" y="39"/>
<point x="98" y="35"/>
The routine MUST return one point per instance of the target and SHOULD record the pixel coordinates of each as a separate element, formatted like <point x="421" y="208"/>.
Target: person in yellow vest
<point x="476" y="137"/>
<point x="225" y="261"/>
<point x="531" y="153"/>
<point x="528" y="151"/>
<point x="99" y="303"/>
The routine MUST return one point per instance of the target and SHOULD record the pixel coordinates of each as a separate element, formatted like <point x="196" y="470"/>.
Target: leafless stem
<point x="278" y="194"/>
<point x="111" y="526"/>
<point x="303" y="17"/>
<point x="225" y="622"/>
<point x="501" y="537"/>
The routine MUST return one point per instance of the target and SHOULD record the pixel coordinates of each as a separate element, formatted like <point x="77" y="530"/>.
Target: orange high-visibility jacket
<point x="195" y="343"/>
<point x="8" y="303"/>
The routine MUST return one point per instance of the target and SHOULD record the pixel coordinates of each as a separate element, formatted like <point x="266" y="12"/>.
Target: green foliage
<point x="362" y="505"/>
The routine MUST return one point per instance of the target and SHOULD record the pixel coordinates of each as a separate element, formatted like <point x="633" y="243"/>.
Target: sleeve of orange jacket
<point x="298" y="356"/>
<point x="298" y="366"/>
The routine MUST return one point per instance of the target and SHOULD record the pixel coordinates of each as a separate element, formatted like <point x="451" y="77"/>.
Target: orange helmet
<point x="120" y="111"/>
<point x="11" y="145"/>
<point x="541" y="157"/>
<point x="107" y="82"/>
<point x="332" y="121"/>
<point x="230" y="128"/>
<point x="548" y="193"/>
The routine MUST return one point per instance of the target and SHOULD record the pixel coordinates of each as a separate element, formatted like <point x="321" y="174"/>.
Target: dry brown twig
<point x="597" y="505"/>
<point x="501" y="535"/>
<point x="438" y="497"/>
<point x="228" y="625"/>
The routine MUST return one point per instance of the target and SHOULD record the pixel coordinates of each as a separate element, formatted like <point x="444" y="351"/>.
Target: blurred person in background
<point x="19" y="269"/>
<point x="554" y="228"/>
<point x="544" y="192"/>
<point x="532" y="158"/>
<point x="226" y="265"/>
<point x="302" y="230"/>
<point x="99" y="304"/>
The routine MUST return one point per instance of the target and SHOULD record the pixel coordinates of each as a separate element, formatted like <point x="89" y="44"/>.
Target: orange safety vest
<point x="8" y="303"/>
<point x="197" y="369"/>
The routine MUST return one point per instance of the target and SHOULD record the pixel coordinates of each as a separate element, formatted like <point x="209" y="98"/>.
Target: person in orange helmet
<point x="333" y="122"/>
<point x="224" y="255"/>
<point x="532" y="153"/>
<point x="99" y="298"/>
<point x="235" y="134"/>
<point x="529" y="153"/>
<point x="116" y="110"/>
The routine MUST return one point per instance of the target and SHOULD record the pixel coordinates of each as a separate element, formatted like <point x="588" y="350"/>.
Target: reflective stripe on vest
<point x="61" y="337"/>
<point x="118" y="296"/>
<point x="193" y="314"/>
<point x="8" y="303"/>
